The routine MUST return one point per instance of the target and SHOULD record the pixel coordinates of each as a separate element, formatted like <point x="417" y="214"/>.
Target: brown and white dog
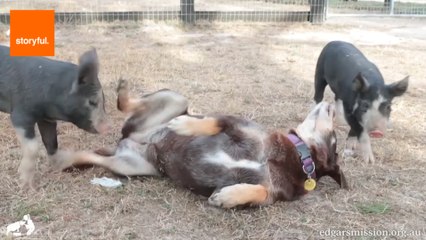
<point x="232" y="161"/>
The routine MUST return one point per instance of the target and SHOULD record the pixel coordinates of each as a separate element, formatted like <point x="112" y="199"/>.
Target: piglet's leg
<point x="353" y="136"/>
<point x="29" y="150"/>
<point x="24" y="127"/>
<point x="340" y="114"/>
<point x="365" y="148"/>
<point x="49" y="136"/>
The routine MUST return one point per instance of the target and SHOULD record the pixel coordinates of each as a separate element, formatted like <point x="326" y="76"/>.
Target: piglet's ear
<point x="360" y="83"/>
<point x="398" y="88"/>
<point x="88" y="67"/>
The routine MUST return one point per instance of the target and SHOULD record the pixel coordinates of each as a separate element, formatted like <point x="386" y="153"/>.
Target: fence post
<point x="187" y="12"/>
<point x="392" y="7"/>
<point x="318" y="10"/>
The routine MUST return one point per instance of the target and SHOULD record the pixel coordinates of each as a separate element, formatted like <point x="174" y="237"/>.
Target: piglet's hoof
<point x="122" y="85"/>
<point x="61" y="160"/>
<point x="349" y="153"/>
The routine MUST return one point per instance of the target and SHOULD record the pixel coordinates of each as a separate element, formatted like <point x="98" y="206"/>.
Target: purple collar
<point x="308" y="164"/>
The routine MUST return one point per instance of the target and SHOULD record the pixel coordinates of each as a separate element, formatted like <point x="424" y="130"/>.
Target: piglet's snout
<point x="376" y="134"/>
<point x="378" y="128"/>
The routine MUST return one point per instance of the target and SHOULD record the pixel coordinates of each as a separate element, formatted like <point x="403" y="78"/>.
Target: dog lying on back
<point x="232" y="161"/>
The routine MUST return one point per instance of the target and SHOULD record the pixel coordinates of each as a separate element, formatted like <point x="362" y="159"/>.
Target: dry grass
<point x="260" y="71"/>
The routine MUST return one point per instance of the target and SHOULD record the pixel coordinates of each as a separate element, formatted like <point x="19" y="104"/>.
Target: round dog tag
<point x="310" y="184"/>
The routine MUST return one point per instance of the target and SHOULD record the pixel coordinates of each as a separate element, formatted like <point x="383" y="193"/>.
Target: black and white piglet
<point x="38" y="90"/>
<point x="360" y="93"/>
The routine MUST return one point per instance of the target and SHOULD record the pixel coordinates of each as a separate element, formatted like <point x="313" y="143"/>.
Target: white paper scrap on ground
<point x="8" y="32"/>
<point x="25" y="227"/>
<point x="106" y="182"/>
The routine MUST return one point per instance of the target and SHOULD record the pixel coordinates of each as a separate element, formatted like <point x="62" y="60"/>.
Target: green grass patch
<point x="373" y="208"/>
<point x="38" y="210"/>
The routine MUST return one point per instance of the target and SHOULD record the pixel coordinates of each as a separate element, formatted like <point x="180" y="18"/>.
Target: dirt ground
<point x="260" y="71"/>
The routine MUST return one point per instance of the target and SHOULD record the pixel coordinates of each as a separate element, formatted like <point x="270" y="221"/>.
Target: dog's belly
<point x="203" y="164"/>
<point x="221" y="158"/>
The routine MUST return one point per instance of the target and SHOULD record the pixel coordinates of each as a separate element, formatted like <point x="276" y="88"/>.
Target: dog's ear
<point x="327" y="165"/>
<point x="320" y="156"/>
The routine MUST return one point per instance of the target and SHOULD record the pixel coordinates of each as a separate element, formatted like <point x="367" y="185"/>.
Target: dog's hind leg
<point x="165" y="102"/>
<point x="240" y="194"/>
<point x="149" y="112"/>
<point x="126" y="162"/>
<point x="106" y="152"/>
<point x="125" y="103"/>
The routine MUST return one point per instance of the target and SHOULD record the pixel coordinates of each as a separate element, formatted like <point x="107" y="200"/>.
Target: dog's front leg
<point x="191" y="126"/>
<point x="239" y="194"/>
<point x="207" y="126"/>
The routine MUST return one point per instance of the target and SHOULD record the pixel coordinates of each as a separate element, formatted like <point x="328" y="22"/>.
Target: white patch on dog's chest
<point x="221" y="158"/>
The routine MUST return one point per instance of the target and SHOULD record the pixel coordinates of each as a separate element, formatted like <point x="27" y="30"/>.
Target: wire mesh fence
<point x="83" y="11"/>
<point x="377" y="7"/>
<point x="92" y="5"/>
<point x="155" y="5"/>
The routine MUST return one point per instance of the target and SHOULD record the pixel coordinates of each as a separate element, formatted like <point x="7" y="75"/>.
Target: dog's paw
<point x="225" y="198"/>
<point x="182" y="125"/>
<point x="239" y="195"/>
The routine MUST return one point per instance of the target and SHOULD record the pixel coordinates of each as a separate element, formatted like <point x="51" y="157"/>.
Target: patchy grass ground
<point x="260" y="71"/>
